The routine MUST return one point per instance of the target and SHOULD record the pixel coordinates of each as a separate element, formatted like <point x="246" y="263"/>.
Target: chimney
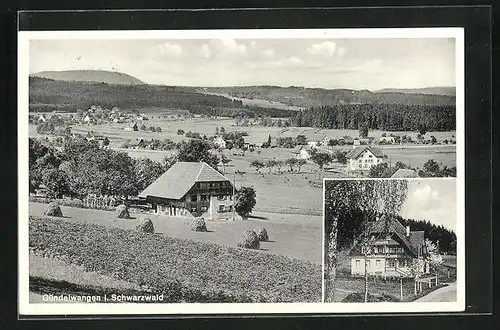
<point x="407" y="231"/>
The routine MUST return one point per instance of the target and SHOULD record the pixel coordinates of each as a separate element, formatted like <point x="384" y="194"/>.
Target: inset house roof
<point x="405" y="173"/>
<point x="358" y="151"/>
<point x="180" y="178"/>
<point x="394" y="227"/>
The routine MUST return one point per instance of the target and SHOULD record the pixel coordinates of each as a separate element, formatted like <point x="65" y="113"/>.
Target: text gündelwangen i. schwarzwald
<point x="105" y="298"/>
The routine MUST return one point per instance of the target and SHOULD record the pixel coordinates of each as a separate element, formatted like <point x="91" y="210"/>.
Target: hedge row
<point x="181" y="269"/>
<point x="68" y="202"/>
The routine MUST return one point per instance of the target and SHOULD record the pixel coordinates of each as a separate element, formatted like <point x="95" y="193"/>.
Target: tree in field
<point x="258" y="165"/>
<point x="363" y="131"/>
<point x="105" y="142"/>
<point x="245" y="201"/>
<point x="291" y="162"/>
<point x="354" y="205"/>
<point x="270" y="163"/>
<point x="332" y="143"/>
<point x="147" y="171"/>
<point x="269" y="141"/>
<point x="180" y="132"/>
<point x="197" y="151"/>
<point x="321" y="159"/>
<point x="135" y="128"/>
<point x="400" y="165"/>
<point x="300" y="163"/>
<point x="431" y="167"/>
<point x="222" y="130"/>
<point x="55" y="182"/>
<point x="381" y="170"/>
<point x="224" y="160"/>
<point x="340" y="156"/>
<point x="433" y="139"/>
<point x="279" y="164"/>
<point x="301" y="140"/>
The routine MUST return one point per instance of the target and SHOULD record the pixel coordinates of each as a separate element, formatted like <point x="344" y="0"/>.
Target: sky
<point x="433" y="200"/>
<point x="326" y="63"/>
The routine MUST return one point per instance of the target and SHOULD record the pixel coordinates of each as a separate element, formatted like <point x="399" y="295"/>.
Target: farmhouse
<point x="219" y="143"/>
<point x="191" y="189"/>
<point x="392" y="251"/>
<point x="364" y="157"/>
<point x="303" y="152"/>
<point x="386" y="140"/>
<point x="41" y="119"/>
<point x="405" y="173"/>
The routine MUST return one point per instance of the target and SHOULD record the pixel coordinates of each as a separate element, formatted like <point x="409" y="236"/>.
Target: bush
<point x="262" y="234"/>
<point x="145" y="225"/>
<point x="357" y="297"/>
<point x="184" y="270"/>
<point x="198" y="224"/>
<point x="54" y="210"/>
<point x="122" y="212"/>
<point x="249" y="240"/>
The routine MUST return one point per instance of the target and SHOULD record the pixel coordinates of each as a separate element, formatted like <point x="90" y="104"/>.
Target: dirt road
<point x="444" y="294"/>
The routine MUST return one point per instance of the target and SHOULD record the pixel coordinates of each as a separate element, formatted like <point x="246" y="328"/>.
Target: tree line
<point x="389" y="117"/>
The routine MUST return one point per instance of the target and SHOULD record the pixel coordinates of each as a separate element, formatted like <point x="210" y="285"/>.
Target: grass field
<point x="296" y="236"/>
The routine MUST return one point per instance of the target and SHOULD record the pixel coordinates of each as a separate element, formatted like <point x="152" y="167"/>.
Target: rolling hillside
<point x="316" y="97"/>
<point x="445" y="90"/>
<point x="97" y="76"/>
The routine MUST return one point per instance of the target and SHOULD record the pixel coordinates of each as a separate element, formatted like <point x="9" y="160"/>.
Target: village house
<point x="363" y="158"/>
<point x="405" y="173"/>
<point x="362" y="141"/>
<point x="391" y="251"/>
<point x="41" y="119"/>
<point x="219" y="143"/>
<point x="192" y="189"/>
<point x="303" y="152"/>
<point x="387" y="140"/>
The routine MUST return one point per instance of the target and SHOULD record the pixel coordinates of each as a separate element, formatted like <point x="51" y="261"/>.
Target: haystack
<point x="198" y="224"/>
<point x="122" y="212"/>
<point x="249" y="240"/>
<point x="54" y="210"/>
<point x="261" y="234"/>
<point x="145" y="225"/>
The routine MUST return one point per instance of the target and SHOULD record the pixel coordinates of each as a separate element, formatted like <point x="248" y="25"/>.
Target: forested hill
<point x="98" y="76"/>
<point x="316" y="97"/>
<point x="49" y="95"/>
<point x="390" y="117"/>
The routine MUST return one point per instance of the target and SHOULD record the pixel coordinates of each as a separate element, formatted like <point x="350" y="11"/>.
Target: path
<point x="444" y="294"/>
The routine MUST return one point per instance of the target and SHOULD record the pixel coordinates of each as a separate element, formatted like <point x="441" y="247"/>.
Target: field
<point x="182" y="270"/>
<point x="258" y="102"/>
<point x="295" y="236"/>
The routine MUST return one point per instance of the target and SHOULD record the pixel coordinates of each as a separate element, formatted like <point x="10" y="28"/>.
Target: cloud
<point x="373" y="64"/>
<point x="205" y="51"/>
<point x="427" y="198"/>
<point x="267" y="53"/>
<point x="228" y="47"/>
<point x="170" y="49"/>
<point x="326" y="49"/>
<point x="341" y="51"/>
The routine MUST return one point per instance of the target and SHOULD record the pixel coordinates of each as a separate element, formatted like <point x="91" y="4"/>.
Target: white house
<point x="364" y="157"/>
<point x="219" y="143"/>
<point x="386" y="140"/>
<point x="303" y="152"/>
<point x="41" y="119"/>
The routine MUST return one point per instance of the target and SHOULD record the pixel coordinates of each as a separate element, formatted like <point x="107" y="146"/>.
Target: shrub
<point x="198" y="224"/>
<point x="249" y="240"/>
<point x="145" y="225"/>
<point x="184" y="270"/>
<point x="262" y="234"/>
<point x="122" y="212"/>
<point x="54" y="210"/>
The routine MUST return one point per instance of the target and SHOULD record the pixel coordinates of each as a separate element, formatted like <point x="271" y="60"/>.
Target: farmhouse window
<point x="390" y="262"/>
<point x="221" y="209"/>
<point x="377" y="262"/>
<point x="357" y="262"/>
<point x="204" y="197"/>
<point x="194" y="198"/>
<point x="221" y="197"/>
<point x="203" y="185"/>
<point x="204" y="209"/>
<point x="193" y="209"/>
<point x="367" y="263"/>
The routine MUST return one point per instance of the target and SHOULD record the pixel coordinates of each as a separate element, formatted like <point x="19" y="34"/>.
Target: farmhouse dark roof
<point x="356" y="152"/>
<point x="176" y="182"/>
<point x="405" y="173"/>
<point x="393" y="226"/>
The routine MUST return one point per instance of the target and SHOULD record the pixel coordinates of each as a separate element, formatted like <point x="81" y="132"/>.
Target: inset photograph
<point x="390" y="240"/>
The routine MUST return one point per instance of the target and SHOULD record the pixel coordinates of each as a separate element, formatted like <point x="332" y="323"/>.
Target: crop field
<point x="296" y="236"/>
<point x="183" y="270"/>
<point x="258" y="102"/>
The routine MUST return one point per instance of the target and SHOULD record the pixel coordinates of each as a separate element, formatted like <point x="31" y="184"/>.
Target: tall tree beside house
<point x="352" y="204"/>
<point x="225" y="161"/>
<point x="55" y="182"/>
<point x="321" y="159"/>
<point x="41" y="159"/>
<point x="291" y="162"/>
<point x="135" y="128"/>
<point x="197" y="151"/>
<point x="301" y="140"/>
<point x="301" y="162"/>
<point x="147" y="171"/>
<point x="363" y="130"/>
<point x="245" y="201"/>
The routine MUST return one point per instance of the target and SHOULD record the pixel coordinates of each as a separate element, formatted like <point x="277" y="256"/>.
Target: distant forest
<point x="47" y="95"/>
<point x="390" y="117"/>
